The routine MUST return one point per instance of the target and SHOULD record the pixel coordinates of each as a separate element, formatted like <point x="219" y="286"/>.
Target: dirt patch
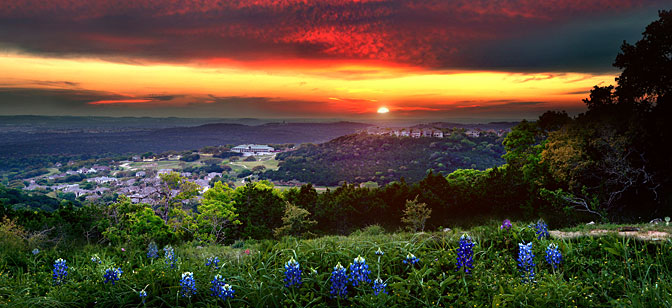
<point x="643" y="235"/>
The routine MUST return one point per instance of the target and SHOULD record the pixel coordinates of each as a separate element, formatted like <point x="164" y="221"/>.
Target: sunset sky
<point x="444" y="59"/>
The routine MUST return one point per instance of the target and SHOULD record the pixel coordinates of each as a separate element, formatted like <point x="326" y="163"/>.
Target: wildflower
<point x="247" y="252"/>
<point x="359" y="271"/>
<point x="379" y="286"/>
<point x="339" y="280"/>
<point x="226" y="291"/>
<point x="212" y="262"/>
<point x="169" y="256"/>
<point x="96" y="259"/>
<point x="123" y="249"/>
<point x="541" y="229"/>
<point x="553" y="255"/>
<point x="410" y="259"/>
<point x="60" y="271"/>
<point x="188" y="284"/>
<point x="465" y="253"/>
<point x="526" y="262"/>
<point x="143" y="295"/>
<point x="216" y="286"/>
<point x="292" y="273"/>
<point x="506" y="225"/>
<point x="36" y="251"/>
<point x="112" y="274"/>
<point x="379" y="252"/>
<point x="152" y="251"/>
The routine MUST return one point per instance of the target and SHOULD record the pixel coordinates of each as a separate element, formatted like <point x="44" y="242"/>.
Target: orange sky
<point x="311" y="59"/>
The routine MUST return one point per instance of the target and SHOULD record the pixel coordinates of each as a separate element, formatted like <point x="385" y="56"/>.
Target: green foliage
<point x="135" y="224"/>
<point x="415" y="215"/>
<point x="216" y="213"/>
<point x="295" y="222"/>
<point x="260" y="209"/>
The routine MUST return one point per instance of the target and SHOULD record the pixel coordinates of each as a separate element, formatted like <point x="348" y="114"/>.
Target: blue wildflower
<point x="379" y="252"/>
<point x="506" y="225"/>
<point x="541" y="229"/>
<point x="143" y="295"/>
<point x="112" y="274"/>
<point x="465" y="254"/>
<point x="96" y="259"/>
<point x="36" y="251"/>
<point x="188" y="284"/>
<point x="379" y="286"/>
<point x="526" y="262"/>
<point x="169" y="256"/>
<point x="339" y="280"/>
<point x="60" y="271"/>
<point x="226" y="291"/>
<point x="553" y="255"/>
<point x="152" y="251"/>
<point x="410" y="259"/>
<point x="216" y="286"/>
<point x="359" y="271"/>
<point x="212" y="262"/>
<point x="292" y="273"/>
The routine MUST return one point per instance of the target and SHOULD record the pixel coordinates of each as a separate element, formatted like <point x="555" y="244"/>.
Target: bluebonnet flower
<point x="379" y="252"/>
<point x="292" y="273"/>
<point x="96" y="259"/>
<point x="188" y="284"/>
<point x="152" y="251"/>
<point x="410" y="259"/>
<point x="465" y="253"/>
<point x="541" y="229"/>
<point x="506" y="225"/>
<point x="36" y="251"/>
<point x="60" y="271"/>
<point x="379" y="286"/>
<point x="217" y="284"/>
<point x="143" y="295"/>
<point x="526" y="262"/>
<point x="226" y="291"/>
<point x="553" y="255"/>
<point x="212" y="262"/>
<point x="169" y="256"/>
<point x="339" y="280"/>
<point x="359" y="271"/>
<point x="112" y="274"/>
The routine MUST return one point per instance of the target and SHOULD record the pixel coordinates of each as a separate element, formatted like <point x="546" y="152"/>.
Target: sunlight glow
<point x="383" y="110"/>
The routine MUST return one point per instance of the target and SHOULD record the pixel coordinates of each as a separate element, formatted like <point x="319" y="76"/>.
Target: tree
<point x="216" y="213"/>
<point x="296" y="222"/>
<point x="415" y="215"/>
<point x="173" y="192"/>
<point x="260" y="209"/>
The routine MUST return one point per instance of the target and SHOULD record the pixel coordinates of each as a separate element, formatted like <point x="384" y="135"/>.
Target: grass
<point x="607" y="271"/>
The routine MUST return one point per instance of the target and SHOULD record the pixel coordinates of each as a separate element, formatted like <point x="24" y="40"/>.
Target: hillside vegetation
<point x="361" y="158"/>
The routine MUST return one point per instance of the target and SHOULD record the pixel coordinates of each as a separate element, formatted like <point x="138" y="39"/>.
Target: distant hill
<point x="361" y="157"/>
<point x="124" y="140"/>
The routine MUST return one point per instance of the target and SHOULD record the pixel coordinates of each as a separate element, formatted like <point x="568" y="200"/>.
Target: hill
<point x="360" y="158"/>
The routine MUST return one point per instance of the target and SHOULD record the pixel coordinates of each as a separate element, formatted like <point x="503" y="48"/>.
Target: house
<point x="140" y="174"/>
<point x="163" y="171"/>
<point x="427" y="133"/>
<point x="416" y="134"/>
<point x="472" y="133"/>
<point x="437" y="134"/>
<point x="253" y="149"/>
<point x="404" y="133"/>
<point x="102" y="180"/>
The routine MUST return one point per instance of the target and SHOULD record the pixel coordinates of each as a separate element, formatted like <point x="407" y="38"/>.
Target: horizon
<point x="335" y="59"/>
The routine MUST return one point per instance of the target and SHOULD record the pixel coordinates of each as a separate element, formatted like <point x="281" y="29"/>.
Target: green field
<point x="604" y="271"/>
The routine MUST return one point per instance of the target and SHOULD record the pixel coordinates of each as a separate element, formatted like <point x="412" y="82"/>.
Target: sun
<point x="383" y="110"/>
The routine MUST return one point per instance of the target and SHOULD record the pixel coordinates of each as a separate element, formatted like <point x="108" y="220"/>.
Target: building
<point x="253" y="149"/>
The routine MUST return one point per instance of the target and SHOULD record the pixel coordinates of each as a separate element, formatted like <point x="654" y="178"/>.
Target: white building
<point x="253" y="149"/>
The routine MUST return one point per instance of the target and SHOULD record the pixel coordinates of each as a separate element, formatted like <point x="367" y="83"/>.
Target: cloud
<point x="487" y="34"/>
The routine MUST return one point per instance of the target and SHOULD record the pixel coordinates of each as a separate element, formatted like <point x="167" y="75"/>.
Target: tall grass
<point x="607" y="271"/>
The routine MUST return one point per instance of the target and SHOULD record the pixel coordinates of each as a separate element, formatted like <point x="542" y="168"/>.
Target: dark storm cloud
<point x="514" y="35"/>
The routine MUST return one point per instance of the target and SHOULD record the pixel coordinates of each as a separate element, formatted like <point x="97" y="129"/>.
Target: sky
<point x="335" y="59"/>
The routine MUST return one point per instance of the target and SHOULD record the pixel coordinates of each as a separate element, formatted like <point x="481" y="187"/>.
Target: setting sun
<point x="383" y="110"/>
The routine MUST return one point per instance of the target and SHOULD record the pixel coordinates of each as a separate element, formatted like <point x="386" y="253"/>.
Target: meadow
<point x="591" y="271"/>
